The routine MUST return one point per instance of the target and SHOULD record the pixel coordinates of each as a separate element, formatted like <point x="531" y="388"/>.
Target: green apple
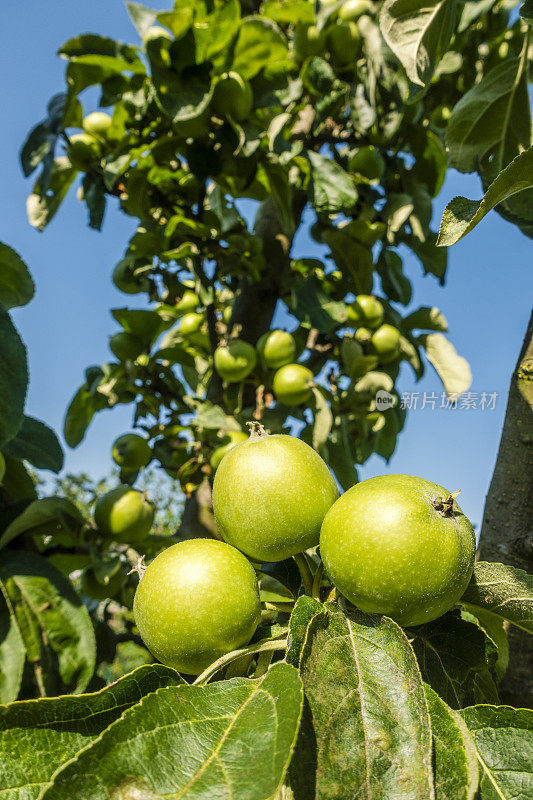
<point x="196" y="601"/>
<point x="292" y="384"/>
<point x="131" y="452"/>
<point x="124" y="515"/>
<point x="235" y="360"/>
<point x="399" y="545"/>
<point x="233" y="96"/>
<point x="276" y="348"/>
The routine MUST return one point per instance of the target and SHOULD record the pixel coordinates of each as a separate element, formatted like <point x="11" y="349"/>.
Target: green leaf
<point x="456" y="768"/>
<point x="526" y="11"/>
<point x="462" y="215"/>
<point x="366" y="730"/>
<point x="16" y="285"/>
<point x="18" y="483"/>
<point x="434" y="259"/>
<point x="502" y="590"/>
<point x="260" y="43"/>
<point x="454" y="657"/>
<point x="504" y="747"/>
<point x="48" y="515"/>
<point x="453" y="370"/>
<point x="303" y="612"/>
<point x="106" y="53"/>
<point x="209" y="732"/>
<point x="37" y="443"/>
<point x="213" y="32"/>
<point x="95" y="199"/>
<point x="143" y="324"/>
<point x="12" y="658"/>
<point x="78" y="417"/>
<point x="141" y="16"/>
<point x="323" y="418"/>
<point x="418" y="33"/>
<point x="425" y="319"/>
<point x="331" y="188"/>
<point x="13" y="379"/>
<point x="54" y="623"/>
<point x="38" y="736"/>
<point x="492" y="119"/>
<point x="39" y="146"/>
<point x="42" y="204"/>
<point x="289" y="11"/>
<point x="494" y="627"/>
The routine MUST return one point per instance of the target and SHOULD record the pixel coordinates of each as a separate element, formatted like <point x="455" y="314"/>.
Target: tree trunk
<point x="253" y="310"/>
<point x="506" y="529"/>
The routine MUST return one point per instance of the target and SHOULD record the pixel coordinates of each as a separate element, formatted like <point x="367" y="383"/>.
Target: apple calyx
<point x="257" y="431"/>
<point x="446" y="506"/>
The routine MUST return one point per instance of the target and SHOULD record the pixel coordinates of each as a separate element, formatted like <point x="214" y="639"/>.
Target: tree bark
<point x="506" y="529"/>
<point x="253" y="309"/>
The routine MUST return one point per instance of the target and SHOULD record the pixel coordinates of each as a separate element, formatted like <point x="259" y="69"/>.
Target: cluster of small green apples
<point x="395" y="545"/>
<point x="89" y="147"/>
<point x="122" y="515"/>
<point x="340" y="37"/>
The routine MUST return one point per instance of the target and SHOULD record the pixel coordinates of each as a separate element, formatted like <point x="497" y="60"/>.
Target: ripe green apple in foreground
<point x="270" y="496"/>
<point x="292" y="384"/>
<point x="233" y="96"/>
<point x="231" y="439"/>
<point x="131" y="452"/>
<point x="235" y="361"/>
<point x="124" y="515"/>
<point x="197" y="600"/>
<point x="394" y="545"/>
<point x="276" y="348"/>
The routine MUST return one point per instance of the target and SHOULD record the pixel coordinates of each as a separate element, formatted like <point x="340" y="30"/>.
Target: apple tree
<point x="280" y="160"/>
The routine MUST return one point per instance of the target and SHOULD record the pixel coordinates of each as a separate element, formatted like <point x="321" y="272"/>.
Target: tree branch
<point x="506" y="529"/>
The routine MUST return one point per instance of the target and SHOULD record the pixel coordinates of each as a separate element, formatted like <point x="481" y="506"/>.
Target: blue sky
<point x="486" y="300"/>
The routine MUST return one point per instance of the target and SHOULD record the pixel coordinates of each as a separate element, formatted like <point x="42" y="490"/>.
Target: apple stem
<point x="139" y="568"/>
<point x="305" y="572"/>
<point x="257" y="431"/>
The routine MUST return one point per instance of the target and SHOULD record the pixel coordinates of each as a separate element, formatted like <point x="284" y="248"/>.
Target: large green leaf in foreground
<point x="502" y="590"/>
<point x="503" y="737"/>
<point x="231" y="739"/>
<point x="38" y="736"/>
<point x="366" y="731"/>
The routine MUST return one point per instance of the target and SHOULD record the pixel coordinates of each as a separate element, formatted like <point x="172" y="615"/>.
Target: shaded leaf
<point x="209" y="732"/>
<point x="456" y="767"/>
<point x="16" y="284"/>
<point x="41" y="204"/>
<point x="289" y="11"/>
<point x="13" y="379"/>
<point x="303" y="612"/>
<point x="79" y="414"/>
<point x="323" y="418"/>
<point x="425" y="319"/>
<point x="462" y="215"/>
<point x="37" y="443"/>
<point x="260" y="42"/>
<point x="494" y="627"/>
<point x="418" y="33"/>
<point x="48" y="515"/>
<point x="504" y="746"/>
<point x="12" y="658"/>
<point x="491" y="119"/>
<point x="502" y="590"/>
<point x="54" y="623"/>
<point x="453" y="370"/>
<point x="331" y="188"/>
<point x="367" y="726"/>
<point x="38" y="736"/>
<point x="454" y="657"/>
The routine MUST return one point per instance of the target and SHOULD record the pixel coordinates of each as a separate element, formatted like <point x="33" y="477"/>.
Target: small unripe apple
<point x="124" y="515"/>
<point x="190" y="323"/>
<point x="189" y="301"/>
<point x="276" y="348"/>
<point x="233" y="96"/>
<point x="386" y="343"/>
<point x="131" y="452"/>
<point x="292" y="384"/>
<point x="97" y="124"/>
<point x="235" y="361"/>
<point x="366" y="311"/>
